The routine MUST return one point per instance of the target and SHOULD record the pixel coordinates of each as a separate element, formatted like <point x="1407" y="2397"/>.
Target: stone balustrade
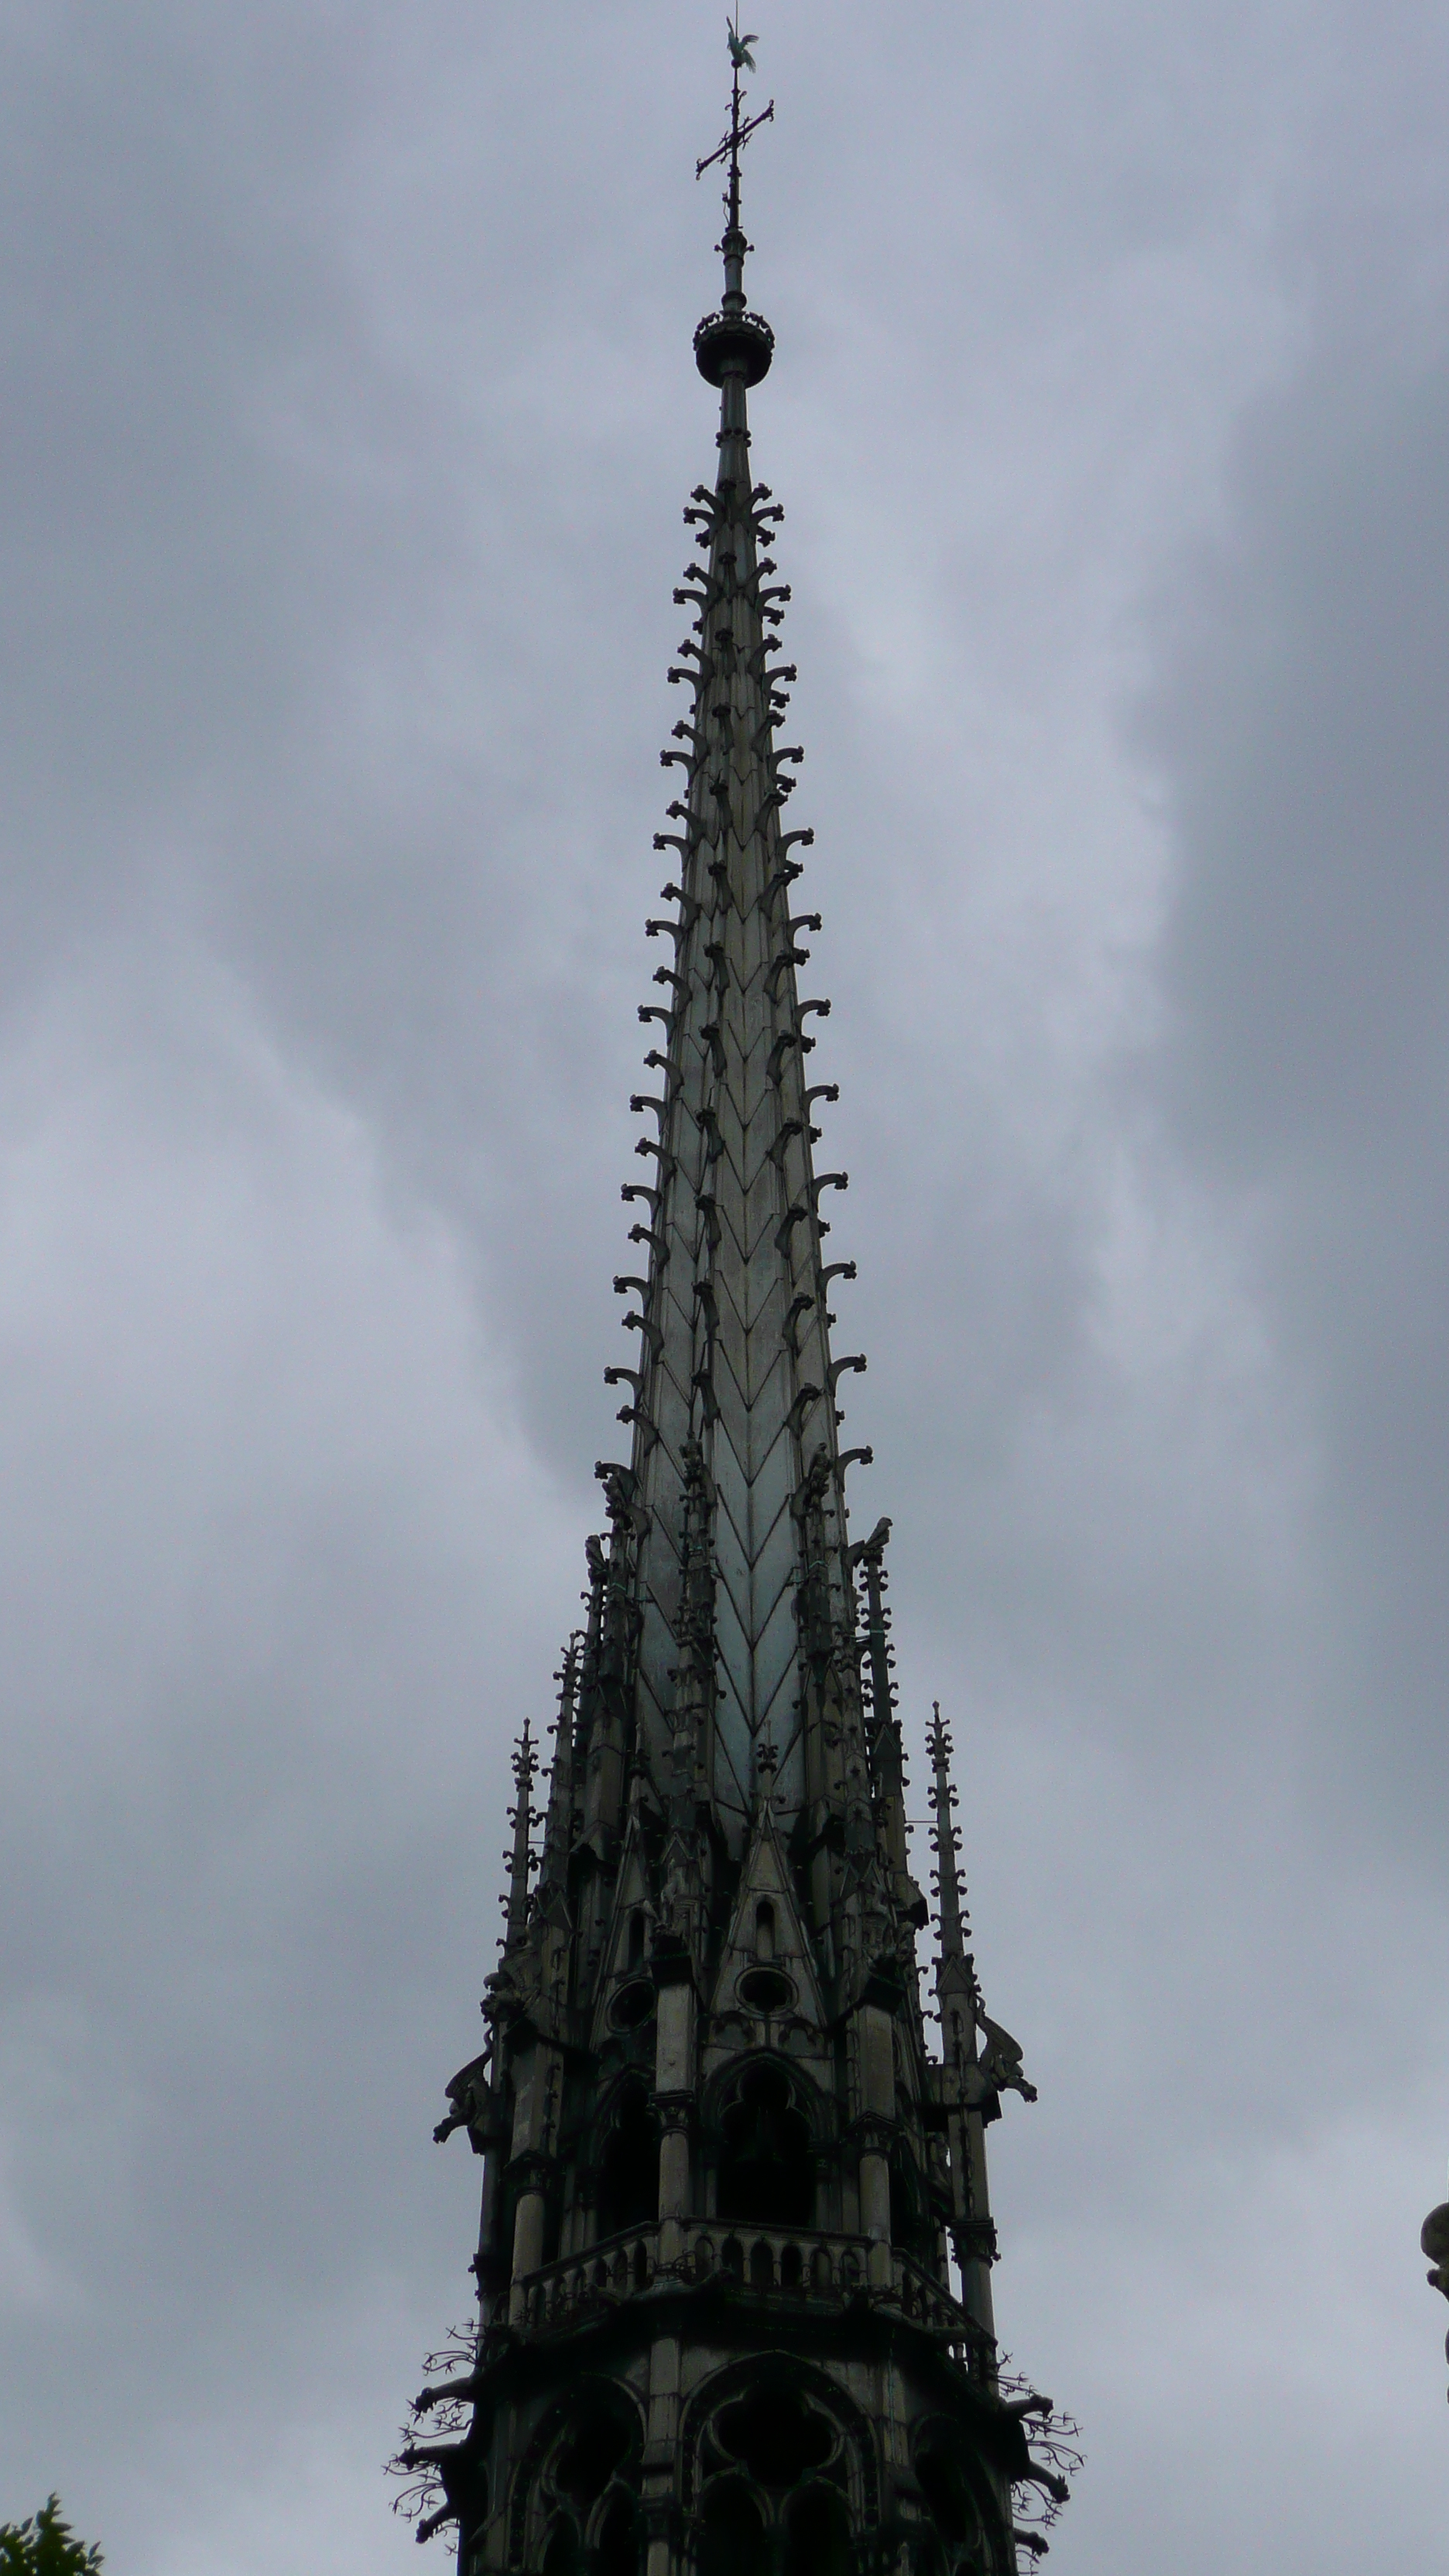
<point x="799" y="2266"/>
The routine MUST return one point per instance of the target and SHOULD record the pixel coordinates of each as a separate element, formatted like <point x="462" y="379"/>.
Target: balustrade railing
<point x="788" y="2264"/>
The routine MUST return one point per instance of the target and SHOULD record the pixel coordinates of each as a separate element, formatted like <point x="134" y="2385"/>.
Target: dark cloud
<point x="348" y="414"/>
<point x="1306" y="975"/>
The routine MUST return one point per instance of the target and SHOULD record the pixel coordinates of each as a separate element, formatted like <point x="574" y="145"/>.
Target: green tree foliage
<point x="45" y="2545"/>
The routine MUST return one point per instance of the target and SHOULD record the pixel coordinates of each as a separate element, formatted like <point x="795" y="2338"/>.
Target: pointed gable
<point x="768" y="1962"/>
<point x="627" y="1942"/>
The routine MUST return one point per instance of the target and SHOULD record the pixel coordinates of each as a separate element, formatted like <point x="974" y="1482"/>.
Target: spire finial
<point x="734" y="245"/>
<point x="947" y="1839"/>
<point x="733" y="342"/>
<point x="525" y="1766"/>
<point x="559" y="1821"/>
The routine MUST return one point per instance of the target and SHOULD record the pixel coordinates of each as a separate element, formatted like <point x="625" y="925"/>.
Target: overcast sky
<point x="348" y="411"/>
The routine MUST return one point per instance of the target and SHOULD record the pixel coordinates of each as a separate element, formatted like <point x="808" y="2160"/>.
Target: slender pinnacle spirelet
<point x="946" y="1838"/>
<point x="520" y="1816"/>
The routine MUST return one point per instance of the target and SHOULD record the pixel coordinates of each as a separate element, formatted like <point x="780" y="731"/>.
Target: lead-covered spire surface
<point x="734" y="1366"/>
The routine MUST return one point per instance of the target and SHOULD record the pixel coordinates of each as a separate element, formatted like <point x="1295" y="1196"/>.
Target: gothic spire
<point x="718" y="2160"/>
<point x="734" y="1356"/>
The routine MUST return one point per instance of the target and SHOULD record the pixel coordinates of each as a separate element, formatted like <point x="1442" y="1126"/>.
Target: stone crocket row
<point x="734" y="2267"/>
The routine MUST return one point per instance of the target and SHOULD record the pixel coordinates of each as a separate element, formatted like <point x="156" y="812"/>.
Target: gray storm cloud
<point x="348" y="415"/>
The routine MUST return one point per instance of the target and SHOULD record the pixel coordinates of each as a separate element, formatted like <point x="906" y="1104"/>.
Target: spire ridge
<point x="693" y="1752"/>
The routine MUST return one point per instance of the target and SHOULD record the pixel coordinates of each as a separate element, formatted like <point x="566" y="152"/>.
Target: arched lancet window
<point x="616" y="2552"/>
<point x="629" y="2166"/>
<point x="766" y="2177"/>
<point x="953" y="2507"/>
<point x="636" y="1937"/>
<point x="773" y="2435"/>
<point x="765" y="1934"/>
<point x="581" y="2516"/>
<point x="731" y="2533"/>
<point x="817" y="2535"/>
<point x="909" y="2227"/>
<point x="561" y="2552"/>
<point x="594" y="2447"/>
<point x="777" y="2483"/>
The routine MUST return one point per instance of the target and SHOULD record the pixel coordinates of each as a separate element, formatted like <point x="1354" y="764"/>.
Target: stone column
<point x="487" y="2267"/>
<point x="875" y="2212"/>
<point x="878" y="2092"/>
<point x="529" y="2168"/>
<point x="674" y="2098"/>
<point x="661" y="2502"/>
<point x="528" y="2226"/>
<point x="673" y="2181"/>
<point x="660" y="2524"/>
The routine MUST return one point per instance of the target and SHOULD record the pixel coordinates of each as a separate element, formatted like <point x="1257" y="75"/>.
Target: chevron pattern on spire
<point x="734" y="1352"/>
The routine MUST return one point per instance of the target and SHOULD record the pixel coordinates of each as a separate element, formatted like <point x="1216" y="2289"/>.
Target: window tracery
<point x="957" y="2514"/>
<point x="766" y="2171"/>
<point x="629" y="2164"/>
<point x="580" y="2505"/>
<point x="780" y="2481"/>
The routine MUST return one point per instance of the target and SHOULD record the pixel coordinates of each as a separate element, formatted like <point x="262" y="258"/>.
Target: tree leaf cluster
<point x="45" y="2545"/>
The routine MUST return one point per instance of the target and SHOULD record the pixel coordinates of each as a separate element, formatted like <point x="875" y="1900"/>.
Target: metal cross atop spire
<point x="732" y="348"/>
<point x="730" y="148"/>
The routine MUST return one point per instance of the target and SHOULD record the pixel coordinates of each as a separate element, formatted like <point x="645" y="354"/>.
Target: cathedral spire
<point x="734" y="1360"/>
<point x="724" y="2180"/>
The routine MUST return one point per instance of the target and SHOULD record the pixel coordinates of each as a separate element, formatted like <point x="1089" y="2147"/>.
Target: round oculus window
<point x="632" y="2005"/>
<point x="766" y="1990"/>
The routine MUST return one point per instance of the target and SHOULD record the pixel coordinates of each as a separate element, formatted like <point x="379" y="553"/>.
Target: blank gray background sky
<point x="348" y="412"/>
